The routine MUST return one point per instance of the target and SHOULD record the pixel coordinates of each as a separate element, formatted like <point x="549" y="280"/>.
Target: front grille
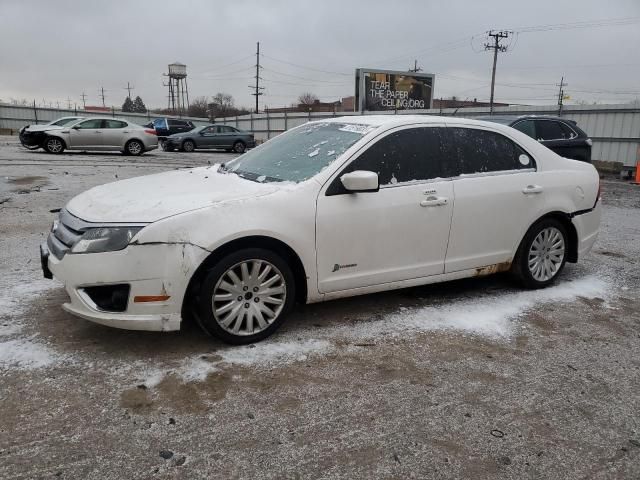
<point x="65" y="233"/>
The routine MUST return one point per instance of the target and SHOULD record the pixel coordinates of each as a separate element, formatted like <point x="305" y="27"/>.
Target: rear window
<point x="550" y="130"/>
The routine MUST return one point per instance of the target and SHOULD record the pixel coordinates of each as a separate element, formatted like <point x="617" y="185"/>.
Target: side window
<point x="115" y="124"/>
<point x="527" y="127"/>
<point x="403" y="156"/>
<point x="159" y="123"/>
<point x="480" y="151"/>
<point x="568" y="131"/>
<point x="94" y="123"/>
<point x="225" y="129"/>
<point x="176" y="123"/>
<point x="549" y="130"/>
<point x="209" y="130"/>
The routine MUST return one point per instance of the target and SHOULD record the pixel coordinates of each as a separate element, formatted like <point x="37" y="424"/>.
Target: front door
<point x="86" y="135"/>
<point x="398" y="233"/>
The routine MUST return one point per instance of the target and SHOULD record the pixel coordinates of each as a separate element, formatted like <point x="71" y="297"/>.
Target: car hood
<point x="42" y="128"/>
<point x="153" y="197"/>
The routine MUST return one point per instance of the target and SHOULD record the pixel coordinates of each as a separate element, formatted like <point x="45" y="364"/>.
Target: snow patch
<point x="26" y="354"/>
<point x="314" y="153"/>
<point x="491" y="315"/>
<point x="268" y="353"/>
<point x="15" y="300"/>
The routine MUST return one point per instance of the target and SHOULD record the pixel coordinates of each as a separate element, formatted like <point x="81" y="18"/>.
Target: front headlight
<point x="105" y="239"/>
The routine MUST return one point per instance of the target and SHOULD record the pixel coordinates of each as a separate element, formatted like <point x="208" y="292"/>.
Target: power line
<point x="496" y="47"/>
<point x="583" y="24"/>
<point x="305" y="67"/>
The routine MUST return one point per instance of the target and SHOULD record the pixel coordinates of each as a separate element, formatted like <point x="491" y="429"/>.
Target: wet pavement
<point x="469" y="379"/>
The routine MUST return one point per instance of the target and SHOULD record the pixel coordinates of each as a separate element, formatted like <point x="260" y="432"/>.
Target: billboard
<point x="393" y="90"/>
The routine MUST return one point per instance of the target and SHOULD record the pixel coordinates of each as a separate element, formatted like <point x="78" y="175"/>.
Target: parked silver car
<point x="99" y="133"/>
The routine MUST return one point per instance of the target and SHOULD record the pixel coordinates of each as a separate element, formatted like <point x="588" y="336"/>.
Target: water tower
<point x="178" y="96"/>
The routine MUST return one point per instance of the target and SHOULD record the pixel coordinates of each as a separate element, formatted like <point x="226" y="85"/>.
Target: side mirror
<point x="76" y="127"/>
<point x="360" y="181"/>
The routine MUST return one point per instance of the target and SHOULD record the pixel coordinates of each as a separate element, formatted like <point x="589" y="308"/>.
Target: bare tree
<point x="307" y="98"/>
<point x="222" y="105"/>
<point x="199" y="107"/>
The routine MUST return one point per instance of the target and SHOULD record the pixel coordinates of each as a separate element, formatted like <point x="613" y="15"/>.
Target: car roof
<point x="399" y="120"/>
<point x="521" y="117"/>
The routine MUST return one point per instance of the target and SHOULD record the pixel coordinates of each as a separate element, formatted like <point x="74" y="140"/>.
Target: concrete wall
<point x="615" y="129"/>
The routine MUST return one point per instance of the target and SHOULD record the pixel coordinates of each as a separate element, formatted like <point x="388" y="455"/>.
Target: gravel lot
<point x="471" y="379"/>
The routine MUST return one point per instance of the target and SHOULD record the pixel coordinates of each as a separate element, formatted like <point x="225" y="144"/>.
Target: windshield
<point x="298" y="154"/>
<point x="65" y="121"/>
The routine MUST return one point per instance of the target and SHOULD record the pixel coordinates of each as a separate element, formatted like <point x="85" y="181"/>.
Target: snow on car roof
<point x="394" y="120"/>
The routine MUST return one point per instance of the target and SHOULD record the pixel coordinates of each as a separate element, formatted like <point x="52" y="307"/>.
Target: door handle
<point x="532" y="189"/>
<point x="433" y="201"/>
<point x="125" y="131"/>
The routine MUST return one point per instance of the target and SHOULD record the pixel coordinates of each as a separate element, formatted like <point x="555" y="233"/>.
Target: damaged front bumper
<point x="145" y="285"/>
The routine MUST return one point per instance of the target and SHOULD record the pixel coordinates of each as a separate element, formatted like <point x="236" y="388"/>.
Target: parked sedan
<point x="31" y="136"/>
<point x="330" y="209"/>
<point x="102" y="134"/>
<point x="558" y="134"/>
<point x="211" y="136"/>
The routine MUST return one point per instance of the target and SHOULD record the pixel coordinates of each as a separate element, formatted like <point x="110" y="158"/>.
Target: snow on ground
<point x="495" y="316"/>
<point x="24" y="353"/>
<point x="16" y="351"/>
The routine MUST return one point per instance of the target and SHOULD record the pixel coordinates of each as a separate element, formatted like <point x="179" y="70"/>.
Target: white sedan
<point x="330" y="209"/>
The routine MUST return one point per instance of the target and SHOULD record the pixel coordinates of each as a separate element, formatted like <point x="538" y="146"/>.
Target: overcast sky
<point x="54" y="50"/>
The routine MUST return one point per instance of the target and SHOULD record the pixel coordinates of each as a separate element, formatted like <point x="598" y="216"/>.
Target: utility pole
<point x="415" y="68"/>
<point x="102" y="95"/>
<point x="561" y="86"/>
<point x="257" y="89"/>
<point x="496" y="47"/>
<point x="129" y="88"/>
<point x="69" y="103"/>
<point x="84" y="103"/>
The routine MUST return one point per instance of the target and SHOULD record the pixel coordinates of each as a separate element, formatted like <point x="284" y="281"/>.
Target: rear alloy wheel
<point x="246" y="296"/>
<point x="188" y="146"/>
<point x="542" y="254"/>
<point x="54" y="145"/>
<point x="239" y="147"/>
<point x="134" y="147"/>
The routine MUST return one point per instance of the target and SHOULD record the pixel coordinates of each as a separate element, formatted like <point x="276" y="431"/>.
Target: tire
<point x="542" y="254"/>
<point x="53" y="145"/>
<point x="244" y="311"/>
<point x="134" y="147"/>
<point x="188" y="146"/>
<point x="239" y="147"/>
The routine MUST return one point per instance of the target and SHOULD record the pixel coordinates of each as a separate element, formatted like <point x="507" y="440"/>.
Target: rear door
<point x="87" y="134"/>
<point x="498" y="195"/>
<point x="398" y="233"/>
<point x="227" y="136"/>
<point x="115" y="133"/>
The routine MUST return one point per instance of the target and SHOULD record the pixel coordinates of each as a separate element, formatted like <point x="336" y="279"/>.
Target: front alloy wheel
<point x="246" y="296"/>
<point x="53" y="145"/>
